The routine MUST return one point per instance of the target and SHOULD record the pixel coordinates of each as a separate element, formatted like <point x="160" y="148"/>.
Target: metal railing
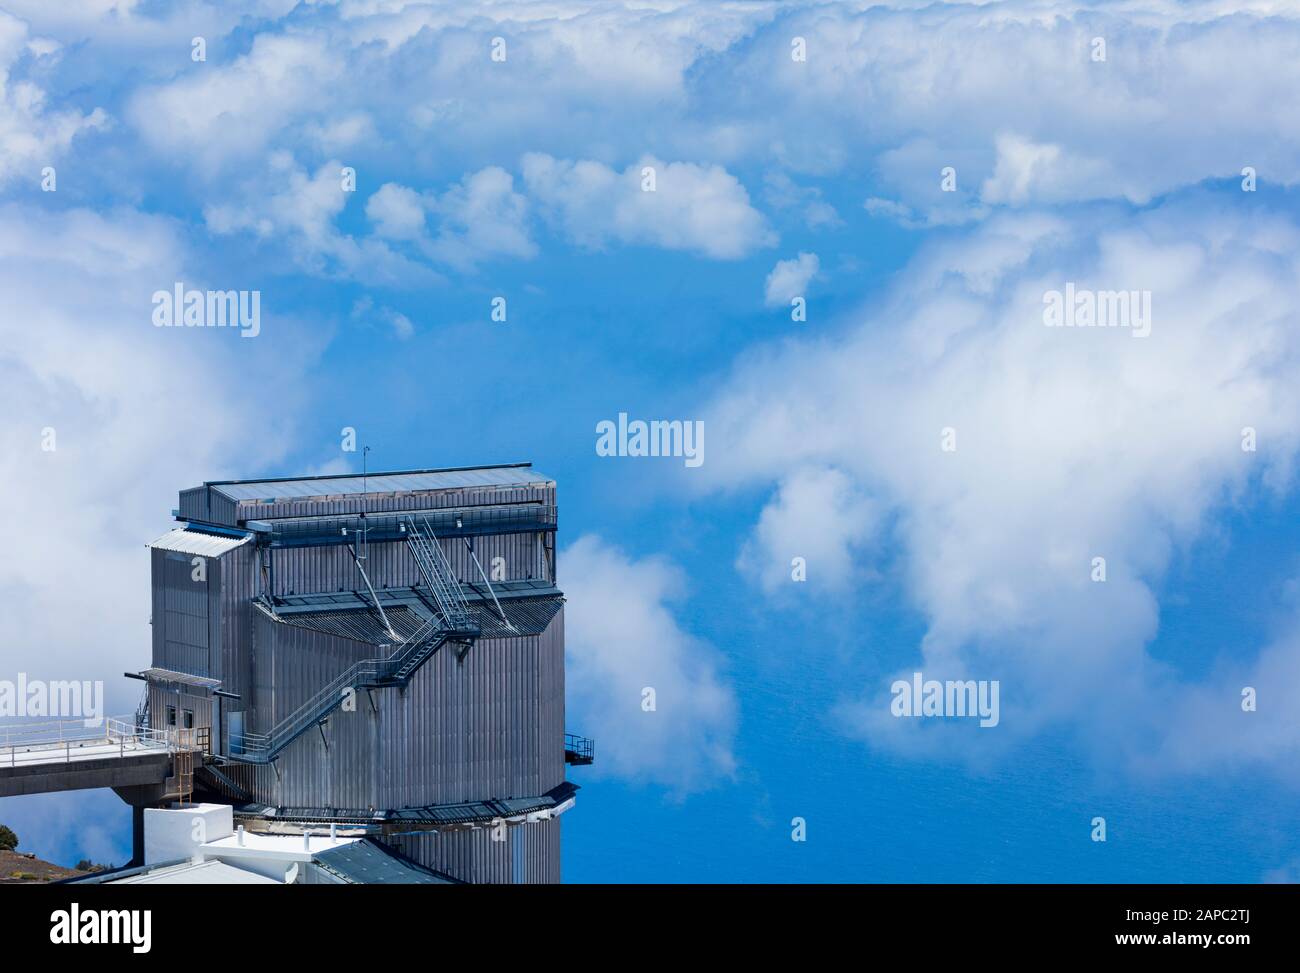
<point x="388" y="526"/>
<point x="63" y="741"/>
<point x="579" y="750"/>
<point x="452" y="619"/>
<point x="439" y="577"/>
<point x="261" y="747"/>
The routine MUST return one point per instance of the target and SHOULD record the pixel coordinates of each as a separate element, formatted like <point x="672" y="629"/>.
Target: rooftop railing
<point x="390" y="526"/>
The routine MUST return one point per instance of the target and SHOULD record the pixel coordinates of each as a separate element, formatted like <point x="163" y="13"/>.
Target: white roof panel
<point x="185" y="541"/>
<point x="414" y="481"/>
<point x="209" y="872"/>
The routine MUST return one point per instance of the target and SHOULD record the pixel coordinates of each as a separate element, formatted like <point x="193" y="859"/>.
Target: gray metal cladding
<point x="304" y="570"/>
<point x="205" y="505"/>
<point x="488" y="725"/>
<point x="401" y="481"/>
<point x="162" y="696"/>
<point x="477" y="727"/>
<point x="209" y="505"/>
<point x="197" y="624"/>
<point x="193" y="504"/>
<point x="181" y="616"/>
<point x="525" y="853"/>
<point x="239" y="585"/>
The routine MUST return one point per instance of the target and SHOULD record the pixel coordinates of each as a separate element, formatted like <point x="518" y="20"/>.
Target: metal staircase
<point x="452" y="621"/>
<point x="437" y="574"/>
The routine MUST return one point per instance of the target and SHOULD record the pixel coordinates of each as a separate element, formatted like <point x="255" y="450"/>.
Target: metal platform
<point x="579" y="751"/>
<point x="64" y="755"/>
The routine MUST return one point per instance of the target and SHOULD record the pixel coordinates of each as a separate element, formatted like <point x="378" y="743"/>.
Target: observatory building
<point x="375" y="658"/>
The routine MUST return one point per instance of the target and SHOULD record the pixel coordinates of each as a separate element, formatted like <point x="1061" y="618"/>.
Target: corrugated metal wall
<point x="194" y="503"/>
<point x="389" y="564"/>
<point x="182" y="612"/>
<point x="208" y="505"/>
<point x="381" y="503"/>
<point x="528" y="853"/>
<point x="491" y="725"/>
<point x="239" y="584"/>
<point x="161" y="697"/>
<point x="204" y="627"/>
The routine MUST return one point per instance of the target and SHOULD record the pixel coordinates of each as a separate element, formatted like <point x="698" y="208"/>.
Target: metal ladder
<point x="438" y="576"/>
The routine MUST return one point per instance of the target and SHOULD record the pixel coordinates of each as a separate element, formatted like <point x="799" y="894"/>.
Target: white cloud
<point x="302" y="205"/>
<point x="1026" y="171"/>
<point x="482" y="217"/>
<point x="479" y="218"/>
<point x="1208" y="728"/>
<point x="364" y="310"/>
<point x="622" y="637"/>
<point x="337" y="134"/>
<point x="891" y="209"/>
<point x="31" y="135"/>
<point x="790" y="279"/>
<point x="397" y="212"/>
<point x="782" y="192"/>
<point x="715" y="82"/>
<point x="216" y="113"/>
<point x="1072" y="443"/>
<point x="137" y="413"/>
<point x="818" y="515"/>
<point x="692" y="207"/>
<point x="1019" y="109"/>
<point x="286" y="203"/>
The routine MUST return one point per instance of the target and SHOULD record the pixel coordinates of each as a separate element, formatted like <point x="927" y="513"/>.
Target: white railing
<point x="62" y="741"/>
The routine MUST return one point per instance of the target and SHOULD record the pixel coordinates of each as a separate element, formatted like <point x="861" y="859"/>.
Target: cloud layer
<point x="1070" y="443"/>
<point x="623" y="640"/>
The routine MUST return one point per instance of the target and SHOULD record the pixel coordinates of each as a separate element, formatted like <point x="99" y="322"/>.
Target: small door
<point x="236" y="724"/>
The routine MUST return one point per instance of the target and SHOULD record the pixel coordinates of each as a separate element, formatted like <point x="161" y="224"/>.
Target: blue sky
<point x="775" y="178"/>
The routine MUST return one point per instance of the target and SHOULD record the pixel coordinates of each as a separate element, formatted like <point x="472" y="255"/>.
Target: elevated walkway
<point x="67" y="755"/>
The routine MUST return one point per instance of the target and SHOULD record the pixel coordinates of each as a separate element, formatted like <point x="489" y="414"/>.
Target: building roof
<point x="370" y="863"/>
<point x="184" y="678"/>
<point x="357" y="862"/>
<point x="404" y="481"/>
<point x="184" y="541"/>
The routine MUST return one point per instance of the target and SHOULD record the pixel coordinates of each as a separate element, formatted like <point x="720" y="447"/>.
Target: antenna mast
<point x="363" y="542"/>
